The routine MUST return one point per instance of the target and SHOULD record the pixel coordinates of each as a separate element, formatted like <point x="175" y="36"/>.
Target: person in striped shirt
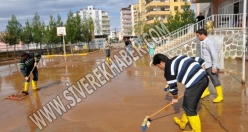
<point x="188" y="71"/>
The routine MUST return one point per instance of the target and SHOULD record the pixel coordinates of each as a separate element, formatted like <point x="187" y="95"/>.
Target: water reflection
<point x="33" y="107"/>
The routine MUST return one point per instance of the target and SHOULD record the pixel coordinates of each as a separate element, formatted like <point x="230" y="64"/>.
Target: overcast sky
<point x="25" y="9"/>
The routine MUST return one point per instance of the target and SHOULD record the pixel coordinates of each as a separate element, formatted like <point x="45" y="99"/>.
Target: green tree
<point x="13" y="30"/>
<point x="181" y="18"/>
<point x="73" y="28"/>
<point x="88" y="31"/>
<point x="26" y="35"/>
<point x="37" y="32"/>
<point x="52" y="37"/>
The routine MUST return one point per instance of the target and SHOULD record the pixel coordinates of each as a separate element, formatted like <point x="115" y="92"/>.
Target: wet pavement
<point x="118" y="105"/>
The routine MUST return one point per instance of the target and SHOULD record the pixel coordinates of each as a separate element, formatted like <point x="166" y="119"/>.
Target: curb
<point x="83" y="54"/>
<point x="93" y="52"/>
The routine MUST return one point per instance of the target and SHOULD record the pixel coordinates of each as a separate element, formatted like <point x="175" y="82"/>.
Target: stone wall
<point x="232" y="46"/>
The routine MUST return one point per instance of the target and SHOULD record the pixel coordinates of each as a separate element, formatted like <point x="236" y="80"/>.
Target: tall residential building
<point x="127" y="22"/>
<point x="100" y="18"/>
<point x="161" y="9"/>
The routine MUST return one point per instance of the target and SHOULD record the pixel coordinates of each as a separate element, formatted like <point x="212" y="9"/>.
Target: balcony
<point x="126" y="17"/>
<point x="105" y="23"/>
<point x="126" y="25"/>
<point x="126" y="12"/>
<point x="105" y="28"/>
<point x="105" y="14"/>
<point x="157" y="4"/>
<point x="201" y="1"/>
<point x="155" y="13"/>
<point x="149" y="21"/>
<point x="105" y="19"/>
<point x="127" y="22"/>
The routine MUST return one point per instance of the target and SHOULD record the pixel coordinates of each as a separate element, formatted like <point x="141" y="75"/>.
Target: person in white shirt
<point x="210" y="54"/>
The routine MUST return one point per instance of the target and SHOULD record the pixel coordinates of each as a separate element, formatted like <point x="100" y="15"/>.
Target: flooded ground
<point x="118" y="103"/>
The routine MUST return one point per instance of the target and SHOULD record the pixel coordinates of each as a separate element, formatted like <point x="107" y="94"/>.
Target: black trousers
<point x="213" y="77"/>
<point x="107" y="52"/>
<point x="192" y="96"/>
<point x="35" y="73"/>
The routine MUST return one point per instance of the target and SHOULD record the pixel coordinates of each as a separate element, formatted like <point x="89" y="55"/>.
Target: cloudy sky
<point x="25" y="9"/>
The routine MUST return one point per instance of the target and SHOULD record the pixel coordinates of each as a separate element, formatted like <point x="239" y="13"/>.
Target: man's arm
<point x="200" y="61"/>
<point x="214" y="54"/>
<point x="37" y="57"/>
<point x="172" y="82"/>
<point x="22" y="68"/>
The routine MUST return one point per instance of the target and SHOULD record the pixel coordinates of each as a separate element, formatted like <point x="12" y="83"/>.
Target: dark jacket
<point x="28" y="63"/>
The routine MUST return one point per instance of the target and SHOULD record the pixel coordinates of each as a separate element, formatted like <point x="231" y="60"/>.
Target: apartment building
<point x="100" y="18"/>
<point x="127" y="22"/>
<point x="161" y="9"/>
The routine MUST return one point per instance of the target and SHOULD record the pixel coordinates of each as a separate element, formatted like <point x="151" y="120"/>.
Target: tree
<point x="13" y="30"/>
<point x="52" y="37"/>
<point x="73" y="28"/>
<point x="26" y="36"/>
<point x="181" y="18"/>
<point x="37" y="33"/>
<point x="88" y="31"/>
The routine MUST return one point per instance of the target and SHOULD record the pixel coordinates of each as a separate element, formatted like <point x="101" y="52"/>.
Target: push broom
<point x="15" y="97"/>
<point x="147" y="121"/>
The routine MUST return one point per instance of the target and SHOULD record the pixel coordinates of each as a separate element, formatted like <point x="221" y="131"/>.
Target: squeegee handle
<point x="163" y="108"/>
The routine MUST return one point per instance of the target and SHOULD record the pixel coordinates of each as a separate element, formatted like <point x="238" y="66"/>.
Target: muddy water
<point x="121" y="104"/>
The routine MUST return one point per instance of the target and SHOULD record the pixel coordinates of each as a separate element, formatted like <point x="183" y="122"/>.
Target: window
<point x="175" y="8"/>
<point x="175" y="0"/>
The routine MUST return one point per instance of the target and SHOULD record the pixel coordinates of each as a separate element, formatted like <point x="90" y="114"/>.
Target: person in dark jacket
<point x="28" y="63"/>
<point x="188" y="71"/>
<point x="199" y="19"/>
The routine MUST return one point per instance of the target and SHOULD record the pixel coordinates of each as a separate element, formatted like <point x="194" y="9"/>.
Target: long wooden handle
<point x="164" y="107"/>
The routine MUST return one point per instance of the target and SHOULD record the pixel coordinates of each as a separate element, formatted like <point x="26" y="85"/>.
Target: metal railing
<point x="187" y="33"/>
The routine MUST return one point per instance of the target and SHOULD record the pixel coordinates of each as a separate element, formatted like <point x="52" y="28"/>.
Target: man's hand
<point x="214" y="71"/>
<point x="174" y="101"/>
<point x="26" y="78"/>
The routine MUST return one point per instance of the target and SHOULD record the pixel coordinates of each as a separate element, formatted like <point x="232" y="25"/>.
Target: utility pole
<point x="244" y="41"/>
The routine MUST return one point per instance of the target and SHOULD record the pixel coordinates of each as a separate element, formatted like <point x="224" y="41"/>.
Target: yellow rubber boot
<point x="34" y="85"/>
<point x="183" y="122"/>
<point x="195" y="123"/>
<point x="26" y="88"/>
<point x="219" y="92"/>
<point x="108" y="60"/>
<point x="205" y="93"/>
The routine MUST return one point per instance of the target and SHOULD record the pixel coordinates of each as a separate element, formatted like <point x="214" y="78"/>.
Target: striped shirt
<point x="185" y="70"/>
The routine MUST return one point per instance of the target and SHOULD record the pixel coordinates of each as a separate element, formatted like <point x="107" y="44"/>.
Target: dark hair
<point x="106" y="39"/>
<point x="158" y="58"/>
<point x="202" y="31"/>
<point x="22" y="53"/>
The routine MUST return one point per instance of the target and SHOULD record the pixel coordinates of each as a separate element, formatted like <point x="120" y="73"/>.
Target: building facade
<point x="127" y="22"/>
<point x="161" y="9"/>
<point x="209" y="7"/>
<point x="100" y="18"/>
